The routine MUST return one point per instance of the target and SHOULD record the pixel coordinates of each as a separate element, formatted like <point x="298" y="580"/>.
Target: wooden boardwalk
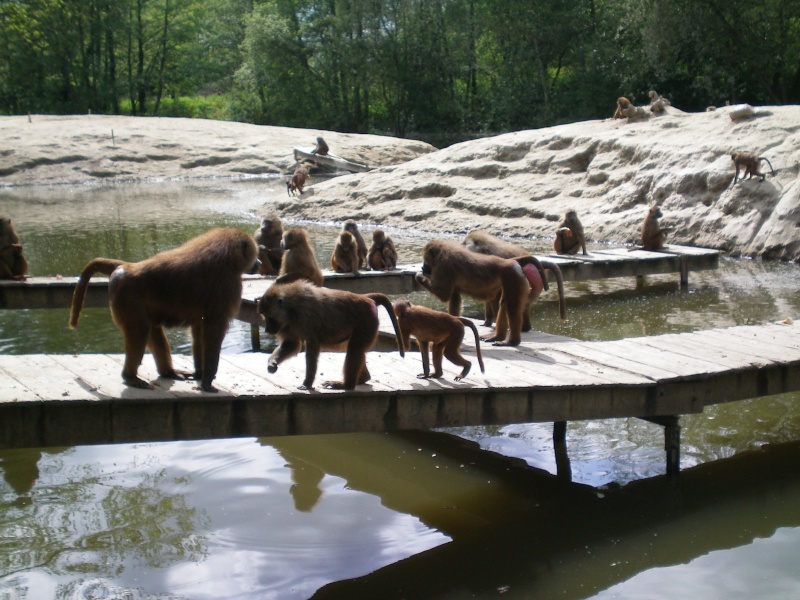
<point x="51" y="292"/>
<point x="55" y="400"/>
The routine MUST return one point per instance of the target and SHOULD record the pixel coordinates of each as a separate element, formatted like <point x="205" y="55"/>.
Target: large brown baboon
<point x="299" y="259"/>
<point x="436" y="329"/>
<point x="321" y="147"/>
<point x="351" y="226"/>
<point x="569" y="235"/>
<point x="449" y="270"/>
<point x="299" y="313"/>
<point x="750" y="162"/>
<point x="198" y="284"/>
<point x="268" y="238"/>
<point x="382" y="255"/>
<point x="344" y="258"/>
<point x="483" y="243"/>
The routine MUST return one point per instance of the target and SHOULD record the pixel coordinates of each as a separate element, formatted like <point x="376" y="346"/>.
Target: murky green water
<point x="418" y="515"/>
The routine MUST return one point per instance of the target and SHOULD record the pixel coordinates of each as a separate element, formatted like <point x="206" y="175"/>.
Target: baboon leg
<point x="365" y="376"/>
<point x="501" y="325"/>
<point x="159" y="347"/>
<point x="354" y="363"/>
<point x="452" y="352"/>
<point x="287" y="348"/>
<point x="312" y="358"/>
<point x="454" y="306"/>
<point x="437" y="350"/>
<point x="213" y="332"/>
<point x="423" y="351"/>
<point x="135" y="344"/>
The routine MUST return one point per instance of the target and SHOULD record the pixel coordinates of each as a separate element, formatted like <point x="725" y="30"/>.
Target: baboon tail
<point x="532" y="260"/>
<point x="769" y="163"/>
<point x="471" y="325"/>
<point x="562" y="304"/>
<point x="383" y="300"/>
<point x="105" y="266"/>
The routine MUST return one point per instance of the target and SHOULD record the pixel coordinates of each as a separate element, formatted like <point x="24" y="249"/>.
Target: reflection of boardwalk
<point x="52" y="400"/>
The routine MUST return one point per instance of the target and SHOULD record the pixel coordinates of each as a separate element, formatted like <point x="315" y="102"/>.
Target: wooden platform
<point x="50" y="292"/>
<point x="54" y="400"/>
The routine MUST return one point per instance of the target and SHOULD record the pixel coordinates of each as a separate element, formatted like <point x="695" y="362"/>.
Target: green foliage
<point x="402" y="66"/>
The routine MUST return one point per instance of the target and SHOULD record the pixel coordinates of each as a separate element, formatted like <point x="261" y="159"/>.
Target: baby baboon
<point x="198" y="284"/>
<point x="351" y="226"/>
<point x="12" y="262"/>
<point x="382" y="255"/>
<point x="299" y="313"/>
<point x="299" y="260"/>
<point x="268" y="237"/>
<point x="569" y="235"/>
<point x="652" y="234"/>
<point x="750" y="162"/>
<point x="297" y="181"/>
<point x="483" y="243"/>
<point x="449" y="269"/>
<point x="345" y="254"/>
<point x="658" y="104"/>
<point x="441" y="331"/>
<point x="321" y="147"/>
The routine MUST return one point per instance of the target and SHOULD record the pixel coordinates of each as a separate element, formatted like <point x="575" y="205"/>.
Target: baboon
<point x="382" y="255"/>
<point x="268" y="237"/>
<point x="652" y="234"/>
<point x="436" y="329"/>
<point x="12" y="262"/>
<point x="750" y="162"/>
<point x="622" y="104"/>
<point x="658" y="104"/>
<point x="298" y="181"/>
<point x="198" y="284"/>
<point x="345" y="254"/>
<point x="299" y="313"/>
<point x="483" y="243"/>
<point x="569" y="235"/>
<point x="299" y="260"/>
<point x="351" y="226"/>
<point x="449" y="269"/>
<point x="321" y="147"/>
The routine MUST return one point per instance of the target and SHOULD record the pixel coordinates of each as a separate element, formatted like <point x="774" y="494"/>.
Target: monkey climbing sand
<point x="750" y="162"/>
<point x="300" y="313"/>
<point x="198" y="284"/>
<point x="441" y="332"/>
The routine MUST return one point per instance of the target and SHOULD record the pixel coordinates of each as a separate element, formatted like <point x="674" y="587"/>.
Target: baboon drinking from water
<point x="198" y="284"/>
<point x="440" y="331"/>
<point x="750" y="162"/>
<point x="299" y="313"/>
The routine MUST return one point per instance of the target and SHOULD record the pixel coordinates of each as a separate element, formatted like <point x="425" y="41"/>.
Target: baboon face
<point x="655" y="211"/>
<point x="274" y="315"/>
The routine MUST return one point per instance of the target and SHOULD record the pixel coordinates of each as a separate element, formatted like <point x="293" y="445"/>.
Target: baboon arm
<point x="312" y="357"/>
<point x="287" y="348"/>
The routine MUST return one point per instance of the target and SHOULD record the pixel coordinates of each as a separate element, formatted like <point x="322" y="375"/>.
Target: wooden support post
<point x="563" y="467"/>
<point x="255" y="337"/>
<point x="672" y="441"/>
<point x="684" y="271"/>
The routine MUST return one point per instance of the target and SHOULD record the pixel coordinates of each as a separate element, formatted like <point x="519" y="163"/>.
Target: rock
<point x="85" y="148"/>
<point x="610" y="171"/>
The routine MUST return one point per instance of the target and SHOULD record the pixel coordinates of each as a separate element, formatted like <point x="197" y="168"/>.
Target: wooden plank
<point x="51" y="379"/>
<point x="644" y="353"/>
<point x="760" y="348"/>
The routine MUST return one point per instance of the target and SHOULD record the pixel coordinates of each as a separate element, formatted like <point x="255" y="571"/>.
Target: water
<point x="479" y="514"/>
